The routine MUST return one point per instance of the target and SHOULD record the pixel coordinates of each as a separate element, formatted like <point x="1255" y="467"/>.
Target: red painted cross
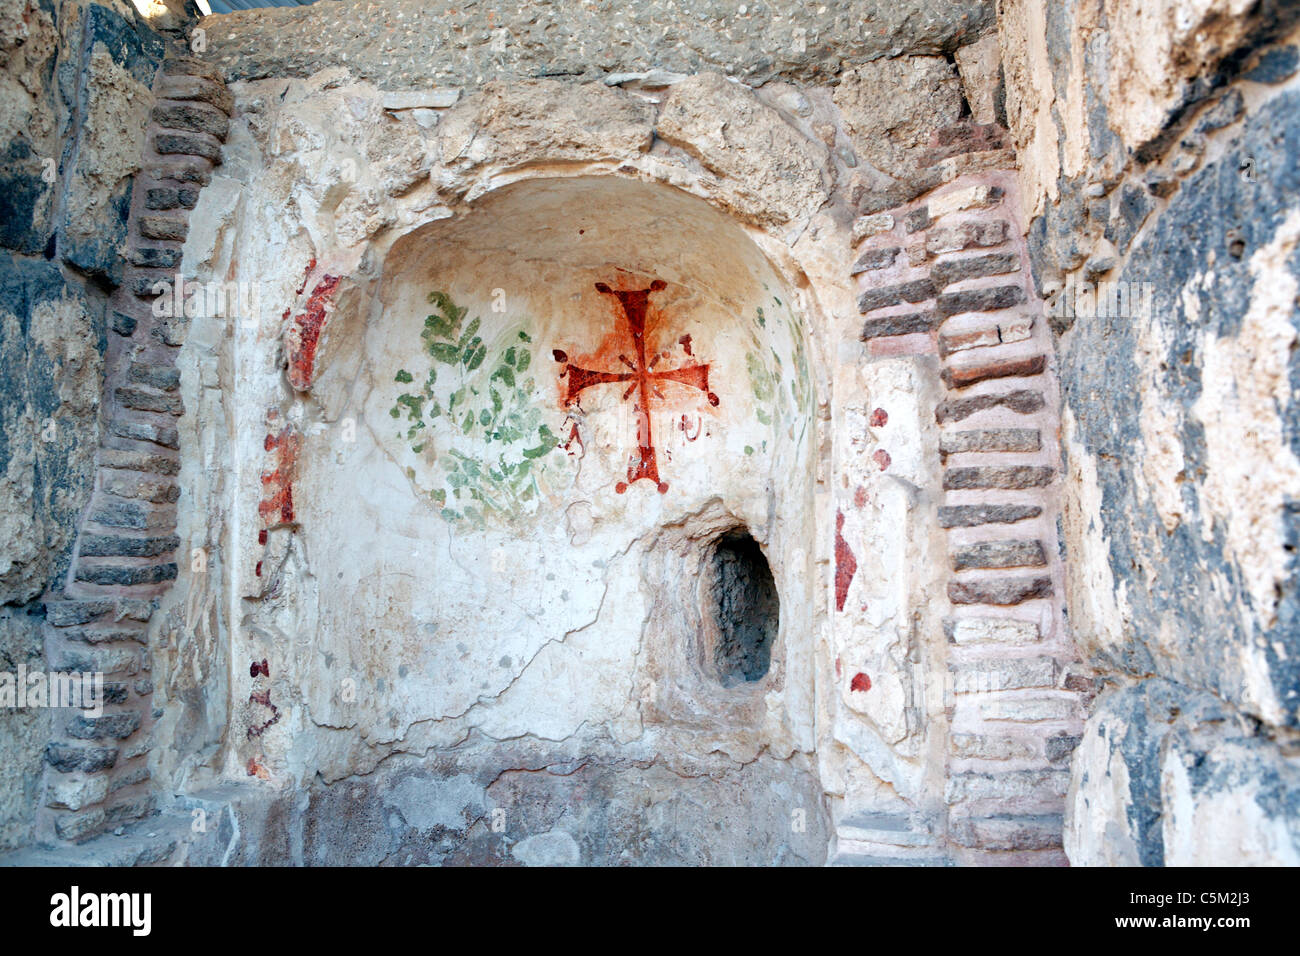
<point x="644" y="381"/>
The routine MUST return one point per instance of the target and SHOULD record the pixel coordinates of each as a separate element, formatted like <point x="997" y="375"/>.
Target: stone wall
<point x="1155" y="146"/>
<point x="458" y="45"/>
<point x="982" y="332"/>
<point x="75" y="94"/>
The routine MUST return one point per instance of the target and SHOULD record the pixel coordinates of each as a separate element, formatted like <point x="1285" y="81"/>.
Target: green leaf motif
<point x="499" y="480"/>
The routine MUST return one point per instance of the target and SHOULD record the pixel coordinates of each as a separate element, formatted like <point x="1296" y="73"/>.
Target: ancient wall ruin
<point x="764" y="437"/>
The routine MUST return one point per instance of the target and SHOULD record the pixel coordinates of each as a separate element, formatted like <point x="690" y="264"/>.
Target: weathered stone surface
<point x="914" y="290"/>
<point x="165" y="435"/>
<point x="1039" y="708"/>
<point x="978" y="630"/>
<point x="1201" y="398"/>
<point x="106" y="634"/>
<point x="891" y="106"/>
<point x="1002" y="673"/>
<point x="107" y="545"/>
<point x="138" y="461"/>
<point x="163" y="227"/>
<point x="162" y="377"/>
<point x="545" y="120"/>
<point x="960" y="200"/>
<point x="981" y="233"/>
<point x="866" y="226"/>
<point x="108" y="727"/>
<point x="980" y="66"/>
<point x="148" y="401"/>
<point x="187" y="144"/>
<point x="1035" y="832"/>
<point x="904" y="324"/>
<point x="957" y="409"/>
<point x="64" y="613"/>
<point x="51" y="372"/>
<point x="444" y="44"/>
<point x="168" y="197"/>
<point x="66" y="759"/>
<point x="154" y="257"/>
<point x="182" y="169"/>
<point x="181" y="87"/>
<point x="444" y="818"/>
<point x="999" y="591"/>
<point x="988" y="747"/>
<point x="961" y="376"/>
<point x="971" y="267"/>
<point x="990" y="439"/>
<point x="969" y="516"/>
<point x="968" y="787"/>
<point x="196" y="117"/>
<point x="113" y="102"/>
<point x="999" y="554"/>
<point x="916" y="220"/>
<point x="122" y="324"/>
<point x="980" y="300"/>
<point x="958" y="337"/>
<point x="756" y="149"/>
<point x="880" y="258"/>
<point x="121" y="575"/>
<point x="998" y="476"/>
<point x="136" y="486"/>
<point x="1169" y="768"/>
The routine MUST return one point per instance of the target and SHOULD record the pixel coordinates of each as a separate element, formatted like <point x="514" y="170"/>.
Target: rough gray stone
<point x="999" y="554"/>
<point x="980" y="300"/>
<point x="445" y="44"/>
<point x="998" y="476"/>
<point x="999" y="591"/>
<point x="972" y="267"/>
<point x="969" y="516"/>
<point x="915" y="290"/>
<point x="904" y="324"/>
<point x="990" y="439"/>
<point x="1021" y="400"/>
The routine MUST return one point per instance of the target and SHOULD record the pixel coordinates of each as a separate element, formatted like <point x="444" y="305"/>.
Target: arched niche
<point x="496" y="552"/>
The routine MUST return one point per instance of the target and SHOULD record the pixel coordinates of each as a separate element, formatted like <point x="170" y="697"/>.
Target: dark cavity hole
<point x="745" y="608"/>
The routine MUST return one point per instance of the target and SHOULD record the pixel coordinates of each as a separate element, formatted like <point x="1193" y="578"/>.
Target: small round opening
<point x="744" y="607"/>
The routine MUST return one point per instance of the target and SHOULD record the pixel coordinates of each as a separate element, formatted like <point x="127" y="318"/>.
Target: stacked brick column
<point x="949" y="276"/>
<point x="126" y="550"/>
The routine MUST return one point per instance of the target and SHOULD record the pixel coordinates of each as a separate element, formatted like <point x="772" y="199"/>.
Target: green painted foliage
<point x="495" y="436"/>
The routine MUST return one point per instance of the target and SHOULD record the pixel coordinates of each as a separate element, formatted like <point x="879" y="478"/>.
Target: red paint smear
<point x="879" y="418"/>
<point x="628" y="342"/>
<point x="261" y="536"/>
<point x="685" y="343"/>
<point x="303" y="336"/>
<point x="860" y="497"/>
<point x="276" y="506"/>
<point x="882" y="458"/>
<point x="846" y="565"/>
<point x="263" y="697"/>
<point x="255" y="769"/>
<point x="261" y="667"/>
<point x="860" y="682"/>
<point x="575" y="437"/>
<point x="258" y="570"/>
<point x="686" y="428"/>
<point x="306" y="274"/>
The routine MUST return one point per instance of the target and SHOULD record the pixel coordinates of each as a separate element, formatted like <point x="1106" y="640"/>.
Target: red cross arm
<point x="580" y="378"/>
<point x="694" y="376"/>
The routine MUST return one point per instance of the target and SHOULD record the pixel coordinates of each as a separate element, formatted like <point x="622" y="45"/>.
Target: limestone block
<point x="775" y="172"/>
